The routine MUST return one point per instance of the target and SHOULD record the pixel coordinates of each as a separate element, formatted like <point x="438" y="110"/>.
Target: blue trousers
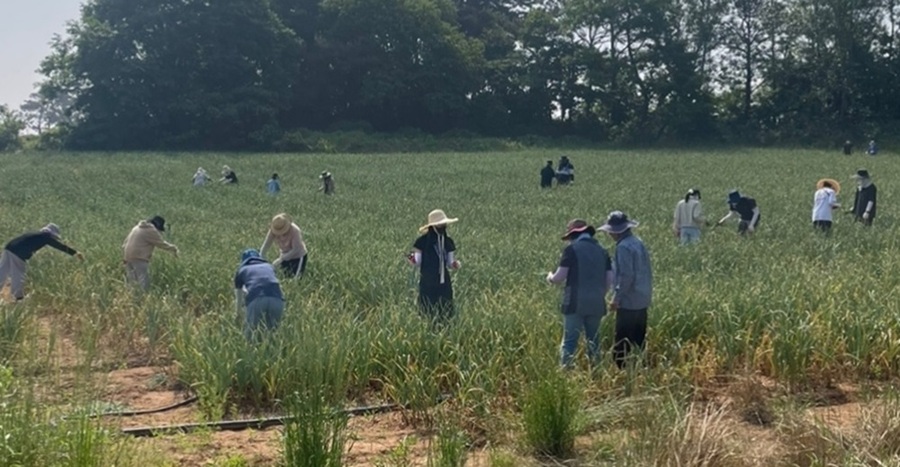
<point x="572" y="327"/>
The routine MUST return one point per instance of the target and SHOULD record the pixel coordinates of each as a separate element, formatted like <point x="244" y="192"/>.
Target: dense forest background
<point x="261" y="74"/>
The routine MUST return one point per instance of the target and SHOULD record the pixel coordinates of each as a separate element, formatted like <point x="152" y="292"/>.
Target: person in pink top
<point x="293" y="253"/>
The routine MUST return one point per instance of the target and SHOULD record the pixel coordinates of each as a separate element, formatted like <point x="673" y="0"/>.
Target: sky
<point x="26" y="27"/>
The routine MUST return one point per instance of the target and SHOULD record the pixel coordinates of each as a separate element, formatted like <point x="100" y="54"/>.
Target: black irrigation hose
<point x="134" y="413"/>
<point x="257" y="423"/>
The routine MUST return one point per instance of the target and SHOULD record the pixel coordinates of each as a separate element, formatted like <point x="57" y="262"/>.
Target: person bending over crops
<point x="547" y="175"/>
<point x="20" y="249"/>
<point x="824" y="202"/>
<point x="293" y="253"/>
<point x="746" y="210"/>
<point x="633" y="286"/>
<point x="865" y="201"/>
<point x="273" y="186"/>
<point x="688" y="218"/>
<point x="228" y="176"/>
<point x="200" y="177"/>
<point x="586" y="269"/>
<point x="138" y="249"/>
<point x="257" y="293"/>
<point x="433" y="253"/>
<point x="327" y="183"/>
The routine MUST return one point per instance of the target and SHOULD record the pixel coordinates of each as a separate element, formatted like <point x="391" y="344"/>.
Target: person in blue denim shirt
<point x="257" y="289"/>
<point x="633" y="286"/>
<point x="273" y="186"/>
<point x="586" y="269"/>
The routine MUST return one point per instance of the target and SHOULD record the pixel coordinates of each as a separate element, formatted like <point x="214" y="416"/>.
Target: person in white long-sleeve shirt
<point x="824" y="203"/>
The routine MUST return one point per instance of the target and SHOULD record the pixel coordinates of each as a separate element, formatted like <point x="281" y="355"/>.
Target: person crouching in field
<point x="547" y="175"/>
<point x="20" y="249"/>
<point x="824" y="203"/>
<point x="228" y="176"/>
<point x="433" y="253"/>
<point x="327" y="183"/>
<point x="865" y="201"/>
<point x="257" y="293"/>
<point x="273" y="186"/>
<point x="138" y="249"/>
<point x="586" y="269"/>
<point x="200" y="177"/>
<point x="293" y="253"/>
<point x="633" y="286"/>
<point x="688" y="218"/>
<point x="746" y="210"/>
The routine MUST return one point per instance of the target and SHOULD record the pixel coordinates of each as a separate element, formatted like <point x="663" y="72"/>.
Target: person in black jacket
<point x="547" y="175"/>
<point x="434" y="254"/>
<point x="865" y="202"/>
<point x="21" y="249"/>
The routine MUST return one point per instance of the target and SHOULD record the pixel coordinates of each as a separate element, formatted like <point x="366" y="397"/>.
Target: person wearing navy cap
<point x="258" y="292"/>
<point x="746" y="210"/>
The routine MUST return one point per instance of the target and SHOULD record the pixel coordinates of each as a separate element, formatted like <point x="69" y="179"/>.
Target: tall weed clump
<point x="315" y="431"/>
<point x="12" y="321"/>
<point x="550" y="413"/>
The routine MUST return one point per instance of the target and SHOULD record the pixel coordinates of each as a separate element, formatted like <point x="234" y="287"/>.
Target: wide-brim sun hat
<point x="577" y="226"/>
<point x="52" y="229"/>
<point x="158" y="222"/>
<point x="280" y="224"/>
<point x="861" y="173"/>
<point x="325" y="175"/>
<point x="835" y="185"/>
<point x="437" y="218"/>
<point x="617" y="222"/>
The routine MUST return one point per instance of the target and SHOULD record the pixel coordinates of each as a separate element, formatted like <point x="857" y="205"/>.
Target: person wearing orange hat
<point x="586" y="269"/>
<point x="434" y="255"/>
<point x="824" y="202"/>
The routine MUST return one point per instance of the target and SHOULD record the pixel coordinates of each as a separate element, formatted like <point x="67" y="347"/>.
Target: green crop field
<point x="744" y="333"/>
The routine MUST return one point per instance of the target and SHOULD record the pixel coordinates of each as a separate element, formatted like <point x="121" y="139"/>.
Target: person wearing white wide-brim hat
<point x="287" y="234"/>
<point x="633" y="289"/>
<point x="434" y="254"/>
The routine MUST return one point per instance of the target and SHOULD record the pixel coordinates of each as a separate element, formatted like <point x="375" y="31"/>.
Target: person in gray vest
<point x="586" y="269"/>
<point x="633" y="286"/>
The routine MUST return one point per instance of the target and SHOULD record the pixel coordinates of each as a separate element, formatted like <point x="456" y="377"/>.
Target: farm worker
<point x="293" y="253"/>
<point x="565" y="171"/>
<point x="586" y="269"/>
<point x="20" y="249"/>
<point x="228" y="176"/>
<point x="848" y="147"/>
<point x="865" y="201"/>
<point x="433" y="253"/>
<point x="873" y="148"/>
<point x="327" y="183"/>
<point x="746" y="209"/>
<point x="138" y="249"/>
<point x="824" y="202"/>
<point x="633" y="286"/>
<point x="257" y="293"/>
<point x="273" y="186"/>
<point x="200" y="177"/>
<point x="688" y="218"/>
<point x="547" y="175"/>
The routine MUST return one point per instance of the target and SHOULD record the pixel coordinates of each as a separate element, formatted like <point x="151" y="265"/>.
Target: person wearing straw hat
<point x="688" y="218"/>
<point x="293" y="252"/>
<point x="257" y="293"/>
<point x="16" y="253"/>
<point x="138" y="249"/>
<point x="633" y="286"/>
<point x="200" y="177"/>
<point x="746" y="210"/>
<point x="228" y="176"/>
<point x="327" y="183"/>
<point x="434" y="255"/>
<point x="865" y="204"/>
<point x="824" y="203"/>
<point x="586" y="269"/>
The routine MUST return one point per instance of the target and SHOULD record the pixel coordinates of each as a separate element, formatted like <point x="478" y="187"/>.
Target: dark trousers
<point x="631" y="327"/>
<point x="294" y="267"/>
<point x="824" y="226"/>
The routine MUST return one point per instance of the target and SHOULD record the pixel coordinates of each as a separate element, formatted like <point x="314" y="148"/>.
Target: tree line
<point x="246" y="74"/>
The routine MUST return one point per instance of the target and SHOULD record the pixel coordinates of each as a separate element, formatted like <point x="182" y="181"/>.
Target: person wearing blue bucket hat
<point x="745" y="208"/>
<point x="257" y="293"/>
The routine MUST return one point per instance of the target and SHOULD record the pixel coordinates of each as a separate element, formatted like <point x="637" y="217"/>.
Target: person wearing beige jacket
<point x="139" y="246"/>
<point x="293" y="252"/>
